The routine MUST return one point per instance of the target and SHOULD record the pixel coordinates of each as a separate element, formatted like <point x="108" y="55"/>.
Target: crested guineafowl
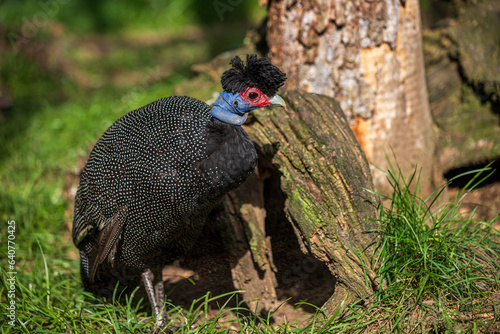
<point x="156" y="173"/>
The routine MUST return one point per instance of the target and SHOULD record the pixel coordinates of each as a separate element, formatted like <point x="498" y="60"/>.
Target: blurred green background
<point x="68" y="70"/>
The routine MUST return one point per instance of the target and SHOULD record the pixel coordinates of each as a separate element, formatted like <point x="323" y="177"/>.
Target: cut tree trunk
<point x="368" y="56"/>
<point x="325" y="177"/>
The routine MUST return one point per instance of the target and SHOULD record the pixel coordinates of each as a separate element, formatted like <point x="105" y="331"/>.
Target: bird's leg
<point x="160" y="300"/>
<point x="161" y="318"/>
<point x="156" y="298"/>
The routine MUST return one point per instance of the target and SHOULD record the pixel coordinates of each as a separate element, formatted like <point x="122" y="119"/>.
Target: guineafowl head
<point x="248" y="87"/>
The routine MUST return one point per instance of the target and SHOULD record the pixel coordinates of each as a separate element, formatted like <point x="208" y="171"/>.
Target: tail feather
<point x="107" y="280"/>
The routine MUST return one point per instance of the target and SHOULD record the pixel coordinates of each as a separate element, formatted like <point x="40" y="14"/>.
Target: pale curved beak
<point x="277" y="101"/>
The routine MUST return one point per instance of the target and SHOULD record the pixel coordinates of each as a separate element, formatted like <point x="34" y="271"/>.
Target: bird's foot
<point x="156" y="297"/>
<point x="161" y="322"/>
<point x="162" y="327"/>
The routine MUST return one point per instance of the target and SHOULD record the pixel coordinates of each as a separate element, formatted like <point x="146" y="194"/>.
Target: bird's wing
<point x="108" y="240"/>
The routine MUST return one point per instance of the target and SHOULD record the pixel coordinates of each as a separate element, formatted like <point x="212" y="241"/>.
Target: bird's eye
<point x="236" y="104"/>
<point x="254" y="96"/>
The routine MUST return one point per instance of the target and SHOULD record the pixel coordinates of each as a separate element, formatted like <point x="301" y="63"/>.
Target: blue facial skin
<point x="230" y="108"/>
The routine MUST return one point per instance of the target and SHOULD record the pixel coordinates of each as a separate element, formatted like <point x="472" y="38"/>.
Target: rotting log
<point x="252" y="266"/>
<point x="325" y="177"/>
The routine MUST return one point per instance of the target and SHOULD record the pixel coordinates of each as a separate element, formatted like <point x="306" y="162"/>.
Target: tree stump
<point x="368" y="56"/>
<point x="324" y="176"/>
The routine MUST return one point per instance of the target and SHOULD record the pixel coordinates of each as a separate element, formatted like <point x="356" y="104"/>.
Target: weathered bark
<point x="368" y="56"/>
<point x="252" y="266"/>
<point x="463" y="75"/>
<point x="324" y="177"/>
<point x="476" y="34"/>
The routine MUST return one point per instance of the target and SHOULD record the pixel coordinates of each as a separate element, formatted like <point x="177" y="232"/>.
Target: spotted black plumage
<point x="150" y="183"/>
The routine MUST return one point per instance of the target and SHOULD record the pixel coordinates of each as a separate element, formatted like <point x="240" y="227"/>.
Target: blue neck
<point x="230" y="108"/>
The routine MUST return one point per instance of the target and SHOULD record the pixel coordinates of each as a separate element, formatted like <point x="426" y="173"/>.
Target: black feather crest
<point x="258" y="73"/>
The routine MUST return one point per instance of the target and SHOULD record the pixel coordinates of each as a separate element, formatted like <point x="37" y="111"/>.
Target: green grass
<point x="436" y="260"/>
<point x="441" y="255"/>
